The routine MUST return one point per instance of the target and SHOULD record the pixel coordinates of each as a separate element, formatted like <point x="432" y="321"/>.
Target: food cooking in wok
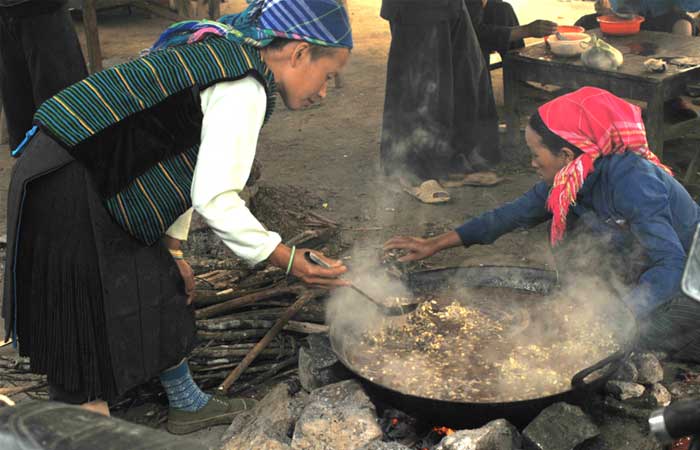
<point x="487" y="345"/>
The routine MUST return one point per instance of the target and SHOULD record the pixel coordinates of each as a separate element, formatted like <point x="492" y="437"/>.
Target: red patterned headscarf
<point x="599" y="124"/>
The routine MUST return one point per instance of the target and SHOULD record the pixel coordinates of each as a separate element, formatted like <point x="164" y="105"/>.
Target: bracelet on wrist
<point x="291" y="260"/>
<point x="177" y="254"/>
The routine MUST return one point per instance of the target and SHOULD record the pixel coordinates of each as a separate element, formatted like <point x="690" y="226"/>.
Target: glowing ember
<point x="443" y="431"/>
<point x="681" y="444"/>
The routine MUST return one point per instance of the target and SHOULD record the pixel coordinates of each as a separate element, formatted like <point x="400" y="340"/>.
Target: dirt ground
<point x="332" y="150"/>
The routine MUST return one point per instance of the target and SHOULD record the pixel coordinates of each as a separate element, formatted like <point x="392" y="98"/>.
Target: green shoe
<point x="218" y="411"/>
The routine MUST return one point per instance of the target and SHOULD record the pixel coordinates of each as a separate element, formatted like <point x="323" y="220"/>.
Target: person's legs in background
<point x="475" y="132"/>
<point x="39" y="55"/>
<point x="672" y="328"/>
<point x="54" y="57"/>
<point x="15" y="82"/>
<point x="418" y="106"/>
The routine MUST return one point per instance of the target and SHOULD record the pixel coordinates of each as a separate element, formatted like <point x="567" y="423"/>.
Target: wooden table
<point x="631" y="80"/>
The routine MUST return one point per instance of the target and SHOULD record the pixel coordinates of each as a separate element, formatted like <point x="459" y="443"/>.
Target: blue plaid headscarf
<point x="319" y="22"/>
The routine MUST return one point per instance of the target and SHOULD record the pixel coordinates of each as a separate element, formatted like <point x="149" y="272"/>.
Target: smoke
<point x="492" y="344"/>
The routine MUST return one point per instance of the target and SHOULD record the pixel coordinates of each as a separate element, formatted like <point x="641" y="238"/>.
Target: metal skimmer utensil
<point x="389" y="310"/>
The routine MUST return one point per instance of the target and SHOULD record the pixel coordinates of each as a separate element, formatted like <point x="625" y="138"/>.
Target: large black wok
<point x="464" y="414"/>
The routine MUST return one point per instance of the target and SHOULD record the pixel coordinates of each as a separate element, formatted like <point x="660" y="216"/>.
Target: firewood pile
<point x="238" y="307"/>
<point x="16" y="379"/>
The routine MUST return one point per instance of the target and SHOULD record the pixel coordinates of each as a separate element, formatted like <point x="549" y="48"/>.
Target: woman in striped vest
<point x="102" y="192"/>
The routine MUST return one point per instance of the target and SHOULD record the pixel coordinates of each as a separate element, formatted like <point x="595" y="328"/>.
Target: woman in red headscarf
<point x="600" y="179"/>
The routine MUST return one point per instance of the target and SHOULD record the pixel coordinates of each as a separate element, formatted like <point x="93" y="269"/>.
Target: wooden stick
<point x="92" y="35"/>
<point x="232" y="336"/>
<point x="270" y="374"/>
<point x="232" y="323"/>
<point x="19" y="389"/>
<point x="214" y="9"/>
<point x="274" y="331"/>
<point x="323" y="219"/>
<point x="235" y="303"/>
<point x="202" y="299"/>
<point x="306" y="327"/>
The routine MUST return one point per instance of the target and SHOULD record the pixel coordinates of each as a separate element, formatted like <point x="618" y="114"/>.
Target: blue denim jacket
<point x="624" y="190"/>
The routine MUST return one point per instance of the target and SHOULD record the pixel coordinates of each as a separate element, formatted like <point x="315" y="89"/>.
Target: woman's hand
<point x="307" y="271"/>
<point x="418" y="248"/>
<point x="174" y="246"/>
<point x="187" y="276"/>
<point x="541" y="28"/>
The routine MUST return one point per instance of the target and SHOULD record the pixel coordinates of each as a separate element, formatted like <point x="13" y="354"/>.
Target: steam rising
<point x="557" y="335"/>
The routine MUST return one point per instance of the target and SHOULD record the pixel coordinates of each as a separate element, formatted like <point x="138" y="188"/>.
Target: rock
<point x="381" y="445"/>
<point x="339" y="416"/>
<point x="634" y="410"/>
<point x="622" y="390"/>
<point x="627" y="372"/>
<point x="398" y="426"/>
<point x="661" y="356"/>
<point x="261" y="442"/>
<point x="649" y="368"/>
<point x="656" y="396"/>
<point x="318" y="364"/>
<point x="267" y="424"/>
<point x="559" y="427"/>
<point x="682" y="389"/>
<point x="495" y="435"/>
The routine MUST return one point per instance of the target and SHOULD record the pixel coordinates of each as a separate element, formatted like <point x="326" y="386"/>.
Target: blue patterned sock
<point x="183" y="392"/>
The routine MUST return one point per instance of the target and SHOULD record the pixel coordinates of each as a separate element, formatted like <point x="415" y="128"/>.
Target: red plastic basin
<point x="617" y="26"/>
<point x="568" y="29"/>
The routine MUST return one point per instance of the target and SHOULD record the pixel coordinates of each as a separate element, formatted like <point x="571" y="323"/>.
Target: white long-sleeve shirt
<point x="233" y="116"/>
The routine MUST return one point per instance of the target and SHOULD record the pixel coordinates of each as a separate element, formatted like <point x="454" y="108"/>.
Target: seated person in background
<point x="604" y="192"/>
<point x="498" y="28"/>
<point x="670" y="16"/>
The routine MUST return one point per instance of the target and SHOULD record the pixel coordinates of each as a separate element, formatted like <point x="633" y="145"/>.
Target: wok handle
<point x="578" y="380"/>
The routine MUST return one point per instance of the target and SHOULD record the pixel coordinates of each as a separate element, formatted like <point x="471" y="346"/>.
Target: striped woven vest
<point x="136" y="127"/>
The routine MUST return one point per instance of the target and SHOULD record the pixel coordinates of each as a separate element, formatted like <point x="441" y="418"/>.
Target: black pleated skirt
<point x="94" y="309"/>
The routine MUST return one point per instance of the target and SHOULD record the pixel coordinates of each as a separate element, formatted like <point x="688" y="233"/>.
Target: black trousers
<point x="439" y="112"/>
<point x="39" y="55"/>
<point x="673" y="328"/>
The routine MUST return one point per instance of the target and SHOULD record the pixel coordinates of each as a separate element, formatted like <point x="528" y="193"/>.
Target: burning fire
<point x="681" y="444"/>
<point x="394" y="421"/>
<point x="443" y="431"/>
